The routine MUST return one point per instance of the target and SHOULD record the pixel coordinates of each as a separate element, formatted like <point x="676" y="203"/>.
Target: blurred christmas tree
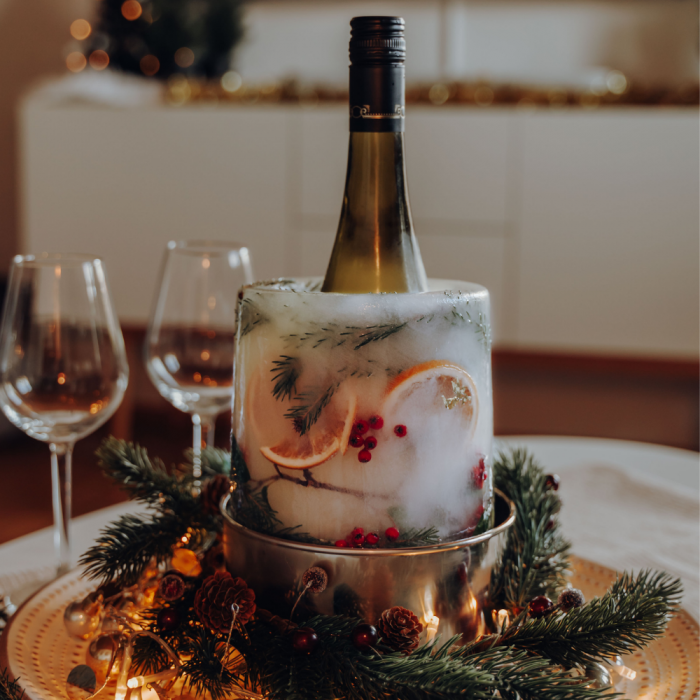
<point x="161" y="38"/>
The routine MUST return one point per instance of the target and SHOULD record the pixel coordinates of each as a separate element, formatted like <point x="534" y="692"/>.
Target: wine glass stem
<point x="61" y="465"/>
<point x="202" y="436"/>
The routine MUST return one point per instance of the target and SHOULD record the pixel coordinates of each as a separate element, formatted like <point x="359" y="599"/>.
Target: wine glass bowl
<point x="190" y="339"/>
<point x="63" y="367"/>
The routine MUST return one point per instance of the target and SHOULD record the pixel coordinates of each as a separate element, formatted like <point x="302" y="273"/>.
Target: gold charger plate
<point x="38" y="651"/>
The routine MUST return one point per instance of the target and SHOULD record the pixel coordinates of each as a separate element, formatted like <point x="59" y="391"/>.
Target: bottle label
<point x="377" y="97"/>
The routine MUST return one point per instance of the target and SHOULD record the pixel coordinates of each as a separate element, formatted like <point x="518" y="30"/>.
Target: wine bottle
<point x="375" y="247"/>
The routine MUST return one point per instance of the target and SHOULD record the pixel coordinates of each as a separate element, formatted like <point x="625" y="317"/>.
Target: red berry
<point x="370" y="442"/>
<point x="479" y="474"/>
<point x="552" y="482"/>
<point x="357" y="531"/>
<point x="304" y="639"/>
<point x="356" y="440"/>
<point x="364" y="636"/>
<point x="372" y="538"/>
<point x="400" y="430"/>
<point x="540" y="606"/>
<point x="376" y="422"/>
<point x="358" y="540"/>
<point x="364" y="456"/>
<point x="361" y="427"/>
<point x="550" y="524"/>
<point x="341" y="543"/>
<point x="392" y="534"/>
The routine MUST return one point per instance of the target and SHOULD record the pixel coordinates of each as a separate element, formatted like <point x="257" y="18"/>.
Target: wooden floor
<point x="648" y="401"/>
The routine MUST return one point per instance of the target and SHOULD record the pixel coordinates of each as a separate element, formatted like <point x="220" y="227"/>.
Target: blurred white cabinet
<point x="121" y="183"/>
<point x="583" y="225"/>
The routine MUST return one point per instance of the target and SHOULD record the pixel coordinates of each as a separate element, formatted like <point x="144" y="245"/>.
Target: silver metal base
<point x="447" y="581"/>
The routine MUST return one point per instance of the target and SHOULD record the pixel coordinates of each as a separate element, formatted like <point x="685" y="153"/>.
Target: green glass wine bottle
<point x="375" y="247"/>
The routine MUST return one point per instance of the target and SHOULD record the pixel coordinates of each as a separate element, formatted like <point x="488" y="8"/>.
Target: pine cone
<point x="399" y="629"/>
<point x="212" y="493"/>
<point x="214" y="599"/>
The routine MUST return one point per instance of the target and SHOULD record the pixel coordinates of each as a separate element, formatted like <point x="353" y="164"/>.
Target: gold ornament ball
<point x="100" y="653"/>
<point x="82" y="617"/>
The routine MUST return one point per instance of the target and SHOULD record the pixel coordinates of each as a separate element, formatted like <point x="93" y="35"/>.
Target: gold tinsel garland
<point x="619" y="91"/>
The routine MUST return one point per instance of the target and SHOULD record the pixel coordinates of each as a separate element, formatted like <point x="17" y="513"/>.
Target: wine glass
<point x="63" y="368"/>
<point x="190" y="338"/>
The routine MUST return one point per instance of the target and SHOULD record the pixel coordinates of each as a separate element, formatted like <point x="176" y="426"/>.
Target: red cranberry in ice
<point x="364" y="456"/>
<point x="376" y="422"/>
<point x="361" y="427"/>
<point x="392" y="534"/>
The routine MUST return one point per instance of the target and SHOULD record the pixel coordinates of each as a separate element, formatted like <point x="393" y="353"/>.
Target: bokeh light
<point x="131" y="10"/>
<point x="149" y="64"/>
<point x="184" y="57"/>
<point x="484" y="95"/>
<point x="99" y="59"/>
<point x="80" y="29"/>
<point x="439" y="94"/>
<point x="75" y="61"/>
<point x="616" y="82"/>
<point x="231" y="81"/>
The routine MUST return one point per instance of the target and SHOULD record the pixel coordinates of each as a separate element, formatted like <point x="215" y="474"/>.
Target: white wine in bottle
<point x="375" y="248"/>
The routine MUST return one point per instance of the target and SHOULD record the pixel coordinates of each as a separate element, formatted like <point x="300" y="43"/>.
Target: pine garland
<point x="529" y="660"/>
<point x="9" y="688"/>
<point x="534" y="560"/>
<point x="126" y="547"/>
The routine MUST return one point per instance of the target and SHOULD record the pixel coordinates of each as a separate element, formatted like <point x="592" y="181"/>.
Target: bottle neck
<point x="376" y="249"/>
<point x="377" y="97"/>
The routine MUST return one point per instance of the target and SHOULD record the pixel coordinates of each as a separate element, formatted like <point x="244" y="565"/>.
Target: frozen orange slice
<point x="328" y="436"/>
<point x="434" y="386"/>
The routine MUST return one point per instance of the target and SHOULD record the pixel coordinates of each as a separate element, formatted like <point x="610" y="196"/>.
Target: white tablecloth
<point x="626" y="505"/>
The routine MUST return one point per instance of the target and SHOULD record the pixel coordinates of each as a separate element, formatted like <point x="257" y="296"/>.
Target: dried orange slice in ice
<point x="330" y="435"/>
<point x="433" y="386"/>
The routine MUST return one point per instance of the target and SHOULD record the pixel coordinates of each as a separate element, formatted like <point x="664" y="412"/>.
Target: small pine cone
<point x="315" y="579"/>
<point x="399" y="629"/>
<point x="570" y="598"/>
<point x="212" y="493"/>
<point x="216" y="596"/>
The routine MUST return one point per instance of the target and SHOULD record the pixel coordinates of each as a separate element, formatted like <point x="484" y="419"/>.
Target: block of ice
<point x="364" y="410"/>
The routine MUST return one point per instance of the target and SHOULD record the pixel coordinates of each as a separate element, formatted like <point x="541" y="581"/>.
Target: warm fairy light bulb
<point x="131" y="10"/>
<point x="231" y="81"/>
<point x="432" y="622"/>
<point x="75" y="62"/>
<point x="80" y="29"/>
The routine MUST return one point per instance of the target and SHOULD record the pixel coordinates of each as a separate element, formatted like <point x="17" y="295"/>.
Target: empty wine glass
<point x="190" y="339"/>
<point x="63" y="369"/>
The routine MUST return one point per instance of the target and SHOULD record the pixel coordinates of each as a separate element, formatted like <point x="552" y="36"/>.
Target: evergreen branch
<point x="239" y="469"/>
<point x="202" y="667"/>
<point x="338" y="670"/>
<point x="125" y="548"/>
<point x="309" y="408"/>
<point x="249" y="316"/>
<point x="9" y="688"/>
<point x="415" y="537"/>
<point x="534" y="560"/>
<point x="375" y="333"/>
<point x="629" y="616"/>
<point x="144" y="480"/>
<point x="286" y="372"/>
